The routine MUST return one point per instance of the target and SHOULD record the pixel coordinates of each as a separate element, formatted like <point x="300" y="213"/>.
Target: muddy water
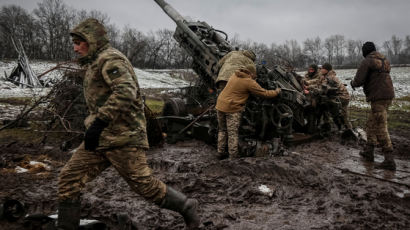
<point x="311" y="188"/>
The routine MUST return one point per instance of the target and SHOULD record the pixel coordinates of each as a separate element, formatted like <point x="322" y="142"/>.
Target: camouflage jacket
<point x="330" y="80"/>
<point x="374" y="75"/>
<point x="309" y="81"/>
<point x="232" y="62"/>
<point x="111" y="91"/>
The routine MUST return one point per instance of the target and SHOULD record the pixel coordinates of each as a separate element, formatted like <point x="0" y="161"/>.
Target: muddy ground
<point x="322" y="184"/>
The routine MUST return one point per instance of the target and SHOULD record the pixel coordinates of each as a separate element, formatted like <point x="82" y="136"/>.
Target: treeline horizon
<point x="44" y="34"/>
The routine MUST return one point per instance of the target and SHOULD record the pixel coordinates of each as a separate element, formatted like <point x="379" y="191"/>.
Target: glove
<point x="92" y="135"/>
<point x="278" y="90"/>
<point x="351" y="84"/>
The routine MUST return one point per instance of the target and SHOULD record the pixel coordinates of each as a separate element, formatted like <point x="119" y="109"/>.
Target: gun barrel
<point x="170" y="11"/>
<point x="181" y="23"/>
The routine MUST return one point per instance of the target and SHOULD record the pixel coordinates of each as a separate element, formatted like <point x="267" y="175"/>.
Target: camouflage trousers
<point x="344" y="113"/>
<point x="228" y="125"/>
<point x="130" y="163"/>
<point x="377" y="125"/>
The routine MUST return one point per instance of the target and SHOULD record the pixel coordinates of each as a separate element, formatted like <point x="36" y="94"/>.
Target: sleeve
<point x="222" y="61"/>
<point x="123" y="86"/>
<point x="255" y="89"/>
<point x="361" y="74"/>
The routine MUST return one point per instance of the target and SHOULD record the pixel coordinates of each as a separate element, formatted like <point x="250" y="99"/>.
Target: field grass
<point x="16" y="100"/>
<point x="155" y="105"/>
<point x="396" y="119"/>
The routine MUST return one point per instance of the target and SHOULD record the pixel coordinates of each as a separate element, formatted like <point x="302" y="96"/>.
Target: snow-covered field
<point x="401" y="82"/>
<point x="171" y="79"/>
<point x="147" y="80"/>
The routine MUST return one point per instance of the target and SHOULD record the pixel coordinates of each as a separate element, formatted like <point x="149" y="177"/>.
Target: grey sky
<point x="262" y="20"/>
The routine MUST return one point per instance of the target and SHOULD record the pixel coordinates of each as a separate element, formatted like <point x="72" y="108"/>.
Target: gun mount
<point x="263" y="119"/>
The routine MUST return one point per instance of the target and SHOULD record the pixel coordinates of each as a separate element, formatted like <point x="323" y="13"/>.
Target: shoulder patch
<point x="114" y="73"/>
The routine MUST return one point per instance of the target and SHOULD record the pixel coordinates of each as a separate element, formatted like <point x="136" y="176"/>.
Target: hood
<point x="95" y="34"/>
<point x="250" y="54"/>
<point x="375" y="54"/>
<point x="243" y="73"/>
<point x="331" y="73"/>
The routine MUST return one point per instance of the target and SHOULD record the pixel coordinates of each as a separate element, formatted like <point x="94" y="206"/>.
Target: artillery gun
<point x="263" y="121"/>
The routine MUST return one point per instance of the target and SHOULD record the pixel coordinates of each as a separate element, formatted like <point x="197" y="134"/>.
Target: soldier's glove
<point x="92" y="135"/>
<point x="351" y="84"/>
<point x="278" y="91"/>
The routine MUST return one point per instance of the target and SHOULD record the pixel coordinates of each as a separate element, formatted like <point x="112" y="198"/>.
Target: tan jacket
<point x="236" y="92"/>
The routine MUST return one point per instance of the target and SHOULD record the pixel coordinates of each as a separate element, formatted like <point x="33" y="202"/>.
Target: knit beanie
<point x="367" y="48"/>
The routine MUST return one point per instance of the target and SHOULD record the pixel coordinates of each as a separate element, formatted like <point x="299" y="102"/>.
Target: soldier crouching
<point x="116" y="131"/>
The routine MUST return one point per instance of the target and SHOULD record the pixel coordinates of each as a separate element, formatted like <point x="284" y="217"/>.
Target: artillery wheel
<point x="282" y="116"/>
<point x="174" y="107"/>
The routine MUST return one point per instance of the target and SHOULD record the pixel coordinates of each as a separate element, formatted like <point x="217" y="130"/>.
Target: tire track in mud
<point x="307" y="192"/>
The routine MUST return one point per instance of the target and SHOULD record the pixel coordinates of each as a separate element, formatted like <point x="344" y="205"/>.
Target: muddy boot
<point x="68" y="215"/>
<point x="368" y="153"/>
<point x="233" y="156"/>
<point x="176" y="201"/>
<point x="388" y="162"/>
<point x="223" y="155"/>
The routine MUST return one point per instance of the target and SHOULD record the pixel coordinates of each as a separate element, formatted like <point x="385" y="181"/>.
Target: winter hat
<point x="367" y="48"/>
<point x="313" y="66"/>
<point x="250" y="54"/>
<point x="76" y="37"/>
<point x="327" y="66"/>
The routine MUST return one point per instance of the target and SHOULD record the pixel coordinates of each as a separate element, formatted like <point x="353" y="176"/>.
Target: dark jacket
<point x="374" y="75"/>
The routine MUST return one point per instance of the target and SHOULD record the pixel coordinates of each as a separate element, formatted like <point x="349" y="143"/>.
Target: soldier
<point x="374" y="75"/>
<point x="312" y="73"/>
<point x="231" y="63"/>
<point x="332" y="82"/>
<point x="116" y="131"/>
<point x="230" y="105"/>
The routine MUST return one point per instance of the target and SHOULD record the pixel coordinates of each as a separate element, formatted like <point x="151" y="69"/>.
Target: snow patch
<point x="265" y="190"/>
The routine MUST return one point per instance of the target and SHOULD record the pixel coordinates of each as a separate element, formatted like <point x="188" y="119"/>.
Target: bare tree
<point x="340" y="44"/>
<point x="396" y="45"/>
<point x="56" y="20"/>
<point x="17" y="23"/>
<point x="313" y="49"/>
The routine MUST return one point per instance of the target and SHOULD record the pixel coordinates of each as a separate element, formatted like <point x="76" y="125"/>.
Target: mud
<point x="314" y="186"/>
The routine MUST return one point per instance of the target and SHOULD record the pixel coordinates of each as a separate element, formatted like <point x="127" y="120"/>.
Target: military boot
<point x="368" y="153"/>
<point x="222" y="155"/>
<point x="388" y="162"/>
<point x="68" y="215"/>
<point x="176" y="201"/>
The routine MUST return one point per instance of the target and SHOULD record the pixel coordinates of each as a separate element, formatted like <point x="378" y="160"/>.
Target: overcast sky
<point x="262" y="20"/>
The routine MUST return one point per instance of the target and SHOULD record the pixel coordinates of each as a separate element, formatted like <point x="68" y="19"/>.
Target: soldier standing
<point x="231" y="63"/>
<point x="374" y="75"/>
<point x="116" y="131"/>
<point x="230" y="105"/>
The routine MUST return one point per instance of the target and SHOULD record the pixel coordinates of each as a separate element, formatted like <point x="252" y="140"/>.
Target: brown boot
<point x="368" y="153"/>
<point x="176" y="201"/>
<point x="388" y="162"/>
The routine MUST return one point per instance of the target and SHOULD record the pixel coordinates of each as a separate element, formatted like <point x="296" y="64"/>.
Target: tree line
<point x="44" y="33"/>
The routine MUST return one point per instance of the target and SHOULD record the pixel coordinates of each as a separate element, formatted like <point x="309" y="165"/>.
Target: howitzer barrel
<point x="170" y="11"/>
<point x="180" y="21"/>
